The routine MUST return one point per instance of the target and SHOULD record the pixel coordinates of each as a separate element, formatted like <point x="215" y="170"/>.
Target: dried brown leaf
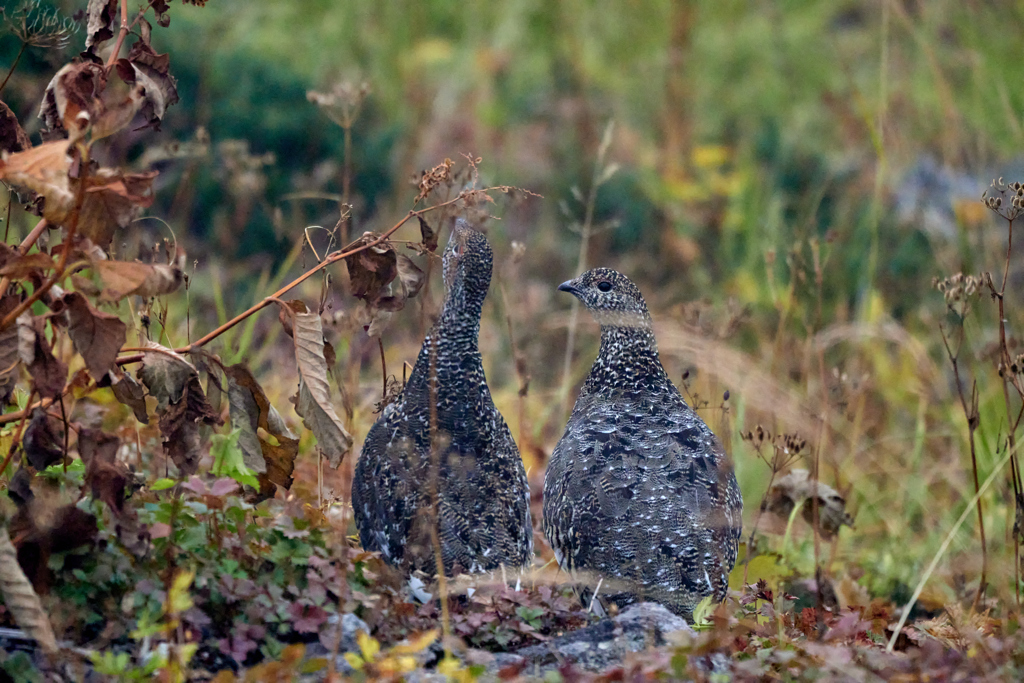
<point x="428" y="236"/>
<point x="19" y="267"/>
<point x="372" y="269"/>
<point x="117" y="112"/>
<point x="130" y="393"/>
<point x="250" y="410"/>
<point x="12" y="136"/>
<point x="113" y="199"/>
<point x="97" y="336"/>
<point x="43" y="442"/>
<point x="152" y="71"/>
<point x="72" y="98"/>
<point x="314" y="400"/>
<point x="8" y="351"/>
<point x="44" y="170"/>
<point x="181" y="404"/>
<point x="125" y="278"/>
<point x="48" y="373"/>
<point x="21" y="600"/>
<point x="100" y="22"/>
<point x="410" y="279"/>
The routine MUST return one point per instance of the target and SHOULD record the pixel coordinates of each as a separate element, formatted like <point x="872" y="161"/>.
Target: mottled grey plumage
<point x="482" y="491"/>
<point x="639" y="490"/>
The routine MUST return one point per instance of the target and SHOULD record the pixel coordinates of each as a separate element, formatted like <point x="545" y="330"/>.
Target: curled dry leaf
<point x="410" y="282"/>
<point x="428" y="235"/>
<point x="43" y="170"/>
<point x="130" y="393"/>
<point x="97" y="336"/>
<point x="100" y="22"/>
<point x="43" y="442"/>
<point x="113" y="199"/>
<point x="48" y="372"/>
<point x="18" y="267"/>
<point x="20" y="598"/>
<point x="12" y="136"/>
<point x="181" y="404"/>
<point x="72" y="98"/>
<point x="314" y="400"/>
<point x="797" y="487"/>
<point x="152" y="71"/>
<point x="125" y="278"/>
<point x="372" y="269"/>
<point x="8" y="351"/>
<point x="251" y="411"/>
<point x="373" y="319"/>
<point x="117" y="111"/>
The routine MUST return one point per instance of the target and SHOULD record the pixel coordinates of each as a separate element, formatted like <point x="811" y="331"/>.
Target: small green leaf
<point x="702" y="613"/>
<point x="162" y="484"/>
<point x="228" y="460"/>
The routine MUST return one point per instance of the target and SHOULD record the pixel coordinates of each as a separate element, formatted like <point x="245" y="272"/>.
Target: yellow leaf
<point x="710" y="156"/>
<point x="417" y="643"/>
<point x="368" y="646"/>
<point x="449" y="666"/>
<point x="406" y="664"/>
<point x="354" y="660"/>
<point x="178" y="598"/>
<point x="764" y="566"/>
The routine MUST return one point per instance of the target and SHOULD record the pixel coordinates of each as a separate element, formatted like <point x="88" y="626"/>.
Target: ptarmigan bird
<point x="483" y="514"/>
<point x="639" y="490"/>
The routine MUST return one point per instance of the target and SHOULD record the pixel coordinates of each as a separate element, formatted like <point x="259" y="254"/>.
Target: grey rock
<point x="602" y="645"/>
<point x="351" y="625"/>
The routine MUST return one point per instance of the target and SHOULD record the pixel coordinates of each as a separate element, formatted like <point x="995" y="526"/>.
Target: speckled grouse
<point x="639" y="490"/>
<point x="483" y="516"/>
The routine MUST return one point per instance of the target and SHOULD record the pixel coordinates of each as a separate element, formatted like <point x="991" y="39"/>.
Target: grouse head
<point x="467" y="264"/>
<point x="611" y="297"/>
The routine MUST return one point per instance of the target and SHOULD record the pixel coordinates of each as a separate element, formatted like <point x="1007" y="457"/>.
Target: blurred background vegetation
<point x="784" y="181"/>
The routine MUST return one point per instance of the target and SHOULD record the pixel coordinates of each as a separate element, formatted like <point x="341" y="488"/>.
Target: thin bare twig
<point x="328" y="260"/>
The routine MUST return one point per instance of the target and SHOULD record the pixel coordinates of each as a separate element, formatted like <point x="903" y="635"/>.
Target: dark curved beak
<point x="567" y="286"/>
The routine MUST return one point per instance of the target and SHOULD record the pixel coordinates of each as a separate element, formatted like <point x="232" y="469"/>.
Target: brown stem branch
<point x="971" y="415"/>
<point x="25" y="245"/>
<point x="121" y="35"/>
<point x="328" y="260"/>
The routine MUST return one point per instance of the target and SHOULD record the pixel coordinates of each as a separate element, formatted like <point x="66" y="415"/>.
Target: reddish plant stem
<point x="25" y="245"/>
<point x="328" y="260"/>
<point x="121" y="35"/>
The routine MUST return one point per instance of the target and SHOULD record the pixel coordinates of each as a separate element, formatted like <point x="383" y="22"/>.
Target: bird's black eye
<point x="604" y="286"/>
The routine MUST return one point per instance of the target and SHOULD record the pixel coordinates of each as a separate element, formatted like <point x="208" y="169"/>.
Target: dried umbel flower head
<point x="343" y="102"/>
<point x="960" y="287"/>
<point x="38" y="26"/>
<point x="1005" y="200"/>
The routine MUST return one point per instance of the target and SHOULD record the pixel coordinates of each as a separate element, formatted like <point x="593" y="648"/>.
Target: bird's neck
<point x="628" y="357"/>
<point x="450" y="351"/>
